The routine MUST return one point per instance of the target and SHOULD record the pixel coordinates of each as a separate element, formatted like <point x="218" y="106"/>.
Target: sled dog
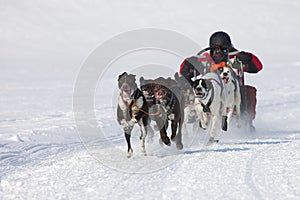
<point x="132" y="109"/>
<point x="209" y="98"/>
<point x="167" y="107"/>
<point x="233" y="95"/>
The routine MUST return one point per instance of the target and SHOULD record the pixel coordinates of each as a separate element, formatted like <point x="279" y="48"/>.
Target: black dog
<point x="167" y="106"/>
<point x="132" y="109"/>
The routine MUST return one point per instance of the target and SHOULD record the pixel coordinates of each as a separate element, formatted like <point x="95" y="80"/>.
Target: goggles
<point x="219" y="50"/>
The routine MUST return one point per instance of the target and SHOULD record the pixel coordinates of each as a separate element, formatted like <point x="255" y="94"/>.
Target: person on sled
<point x="221" y="51"/>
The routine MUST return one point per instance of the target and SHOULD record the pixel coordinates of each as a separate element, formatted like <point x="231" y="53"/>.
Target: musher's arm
<point x="251" y="62"/>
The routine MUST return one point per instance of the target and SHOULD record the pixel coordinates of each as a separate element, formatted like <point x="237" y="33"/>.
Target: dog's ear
<point x="142" y="80"/>
<point x="176" y="76"/>
<point x="123" y="74"/>
<point x="221" y="69"/>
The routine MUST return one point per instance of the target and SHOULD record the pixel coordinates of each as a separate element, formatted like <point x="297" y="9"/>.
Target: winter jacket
<point x="200" y="64"/>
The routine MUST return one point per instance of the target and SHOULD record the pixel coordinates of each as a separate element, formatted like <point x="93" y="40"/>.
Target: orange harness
<point x="217" y="66"/>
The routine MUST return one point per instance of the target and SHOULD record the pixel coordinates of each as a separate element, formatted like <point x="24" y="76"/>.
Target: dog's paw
<point x="179" y="146"/>
<point x="211" y="141"/>
<point x="166" y="141"/>
<point x="202" y="125"/>
<point x="173" y="137"/>
<point x="129" y="153"/>
<point x="132" y="122"/>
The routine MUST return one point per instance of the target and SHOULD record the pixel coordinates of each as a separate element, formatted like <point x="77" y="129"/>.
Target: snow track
<point x="43" y="158"/>
<point x="242" y="168"/>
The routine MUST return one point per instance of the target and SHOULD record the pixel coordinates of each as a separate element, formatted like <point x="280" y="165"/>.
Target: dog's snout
<point x="160" y="92"/>
<point x="198" y="89"/>
<point x="225" y="74"/>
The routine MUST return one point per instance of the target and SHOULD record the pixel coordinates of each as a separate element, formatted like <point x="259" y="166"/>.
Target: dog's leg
<point x="238" y="115"/>
<point x="203" y="119"/>
<point x="214" y="123"/>
<point x="229" y="114"/>
<point x="174" y="126"/>
<point x="164" y="136"/>
<point x="150" y="133"/>
<point x="224" y="122"/>
<point x="143" y="135"/>
<point x="161" y="124"/>
<point x="179" y="144"/>
<point x="237" y="100"/>
<point x="129" y="151"/>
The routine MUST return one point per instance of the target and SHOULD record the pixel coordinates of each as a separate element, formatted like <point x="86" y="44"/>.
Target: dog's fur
<point x="132" y="109"/>
<point x="209" y="97"/>
<point x="168" y="104"/>
<point x="232" y="93"/>
<point x="190" y="113"/>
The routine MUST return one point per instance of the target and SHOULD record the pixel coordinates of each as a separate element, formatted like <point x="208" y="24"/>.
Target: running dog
<point x="232" y="93"/>
<point x="190" y="113"/>
<point x="167" y="106"/>
<point x="209" y="97"/>
<point x="132" y="109"/>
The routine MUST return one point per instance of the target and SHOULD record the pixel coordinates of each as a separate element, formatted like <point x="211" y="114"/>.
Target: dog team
<point x="208" y="89"/>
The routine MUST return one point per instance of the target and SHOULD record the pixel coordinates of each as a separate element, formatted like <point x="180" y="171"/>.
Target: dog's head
<point x="146" y="86"/>
<point x="201" y="88"/>
<point x="226" y="74"/>
<point x="163" y="87"/>
<point x="127" y="85"/>
<point x="158" y="88"/>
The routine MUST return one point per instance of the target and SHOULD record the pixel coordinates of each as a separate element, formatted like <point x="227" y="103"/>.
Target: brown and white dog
<point x="232" y="93"/>
<point x="132" y="109"/>
<point x="168" y="106"/>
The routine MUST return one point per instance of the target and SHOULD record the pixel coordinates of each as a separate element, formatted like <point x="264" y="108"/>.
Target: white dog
<point x="209" y="97"/>
<point x="232" y="94"/>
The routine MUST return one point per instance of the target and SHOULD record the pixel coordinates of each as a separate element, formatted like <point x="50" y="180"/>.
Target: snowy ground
<point x="42" y="156"/>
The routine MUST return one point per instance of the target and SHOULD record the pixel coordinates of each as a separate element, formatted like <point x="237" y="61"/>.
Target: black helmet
<point x="220" y="39"/>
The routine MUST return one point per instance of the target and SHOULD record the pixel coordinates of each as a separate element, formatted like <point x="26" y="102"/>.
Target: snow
<point x="43" y="48"/>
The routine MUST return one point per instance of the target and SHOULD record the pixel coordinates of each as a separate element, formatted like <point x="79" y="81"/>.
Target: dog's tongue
<point x="225" y="80"/>
<point x="126" y="96"/>
<point x="158" y="97"/>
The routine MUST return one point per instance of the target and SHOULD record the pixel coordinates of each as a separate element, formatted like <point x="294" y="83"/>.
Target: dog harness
<point x="206" y="106"/>
<point x="169" y="107"/>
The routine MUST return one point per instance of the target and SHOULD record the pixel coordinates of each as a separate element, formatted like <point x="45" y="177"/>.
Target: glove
<point x="244" y="57"/>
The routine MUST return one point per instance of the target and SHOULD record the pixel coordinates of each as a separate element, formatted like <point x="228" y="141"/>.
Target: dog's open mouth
<point x="159" y="97"/>
<point x="225" y="80"/>
<point x="126" y="95"/>
<point x="159" y="94"/>
<point x="199" y="95"/>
